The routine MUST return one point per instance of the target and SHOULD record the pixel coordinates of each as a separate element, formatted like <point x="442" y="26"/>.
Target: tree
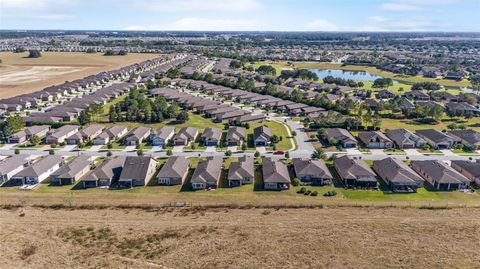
<point x="109" y="154"/>
<point x="319" y="154"/>
<point x="267" y="70"/>
<point x="169" y="152"/>
<point x="382" y="83"/>
<point x="228" y="153"/>
<point x="51" y="152"/>
<point x="183" y="116"/>
<point x="16" y="151"/>
<point x="35" y="140"/>
<point x="296" y="182"/>
<point x="13" y="125"/>
<point x="34" y="54"/>
<point x="287" y="155"/>
<point x="257" y="154"/>
<point x="84" y="118"/>
<point x="244" y="146"/>
<point x="140" y="152"/>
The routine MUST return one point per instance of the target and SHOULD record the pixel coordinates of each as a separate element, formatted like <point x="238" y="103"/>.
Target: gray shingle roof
<point x="313" y="168"/>
<point x="208" y="170"/>
<point x="396" y="171"/>
<point x="241" y="169"/>
<point x="350" y="168"/>
<point x="136" y="167"/>
<point x="275" y="171"/>
<point x="175" y="167"/>
<point x="40" y="167"/>
<point x="440" y="172"/>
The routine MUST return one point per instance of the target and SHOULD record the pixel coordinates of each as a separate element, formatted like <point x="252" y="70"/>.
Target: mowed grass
<point x="278" y="129"/>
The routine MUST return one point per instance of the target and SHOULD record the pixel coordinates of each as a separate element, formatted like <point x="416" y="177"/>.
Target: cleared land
<point x="19" y="74"/>
<point x="34" y="237"/>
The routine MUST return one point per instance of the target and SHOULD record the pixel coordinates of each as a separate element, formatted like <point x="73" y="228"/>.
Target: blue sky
<point x="262" y="15"/>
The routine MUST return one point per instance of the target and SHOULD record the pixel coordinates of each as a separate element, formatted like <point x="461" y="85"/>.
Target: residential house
<point x="86" y="134"/>
<point x="262" y="136"/>
<point x="340" y="137"/>
<point x="355" y="172"/>
<point x="136" y="136"/>
<point x="312" y="171"/>
<point x="174" y="171"/>
<point x="58" y="136"/>
<point x="405" y="139"/>
<point x="375" y="140"/>
<point x="110" y="135"/>
<point x="398" y="175"/>
<point x="470" y="170"/>
<point x="72" y="171"/>
<point x="236" y="136"/>
<point x="436" y="139"/>
<point x="106" y="173"/>
<point x="468" y="138"/>
<point x="241" y="172"/>
<point x="275" y="174"/>
<point x="24" y="135"/>
<point x="161" y="136"/>
<point x="440" y="175"/>
<point x="185" y="136"/>
<point x="211" y="136"/>
<point x="207" y="174"/>
<point x="137" y="171"/>
<point x="38" y="171"/>
<point x="11" y="166"/>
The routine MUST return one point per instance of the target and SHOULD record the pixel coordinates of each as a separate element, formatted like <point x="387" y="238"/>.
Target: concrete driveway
<point x="412" y="152"/>
<point x="211" y="149"/>
<point x="353" y="151"/>
<point x="447" y="152"/>
<point x="261" y="149"/>
<point x="378" y="151"/>
<point x="178" y="149"/>
<point x="68" y="148"/>
<point x="129" y="148"/>
<point x="8" y="146"/>
<point x="233" y="148"/>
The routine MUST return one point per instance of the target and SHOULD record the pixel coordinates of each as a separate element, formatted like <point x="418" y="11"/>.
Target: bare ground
<point x="19" y="74"/>
<point x="34" y="237"/>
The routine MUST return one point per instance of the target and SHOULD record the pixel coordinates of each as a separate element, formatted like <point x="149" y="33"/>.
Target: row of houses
<point x="138" y="171"/>
<point x="403" y="138"/>
<point x="79" y="90"/>
<point x="209" y="108"/>
<point x="251" y="98"/>
<point x="403" y="178"/>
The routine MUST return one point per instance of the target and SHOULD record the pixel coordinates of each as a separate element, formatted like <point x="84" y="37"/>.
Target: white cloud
<point x="323" y="25"/>
<point x="37" y="9"/>
<point x="196" y="5"/>
<point x="399" y="7"/>
<point x="200" y="24"/>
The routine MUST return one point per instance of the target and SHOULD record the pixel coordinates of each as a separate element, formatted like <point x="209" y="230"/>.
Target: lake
<point x="345" y="74"/>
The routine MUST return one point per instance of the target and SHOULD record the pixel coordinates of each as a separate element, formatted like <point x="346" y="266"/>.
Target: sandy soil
<point x="239" y="238"/>
<point x="19" y="74"/>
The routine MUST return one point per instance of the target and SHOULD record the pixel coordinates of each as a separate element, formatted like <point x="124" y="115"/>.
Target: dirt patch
<point x="240" y="238"/>
<point x="20" y="75"/>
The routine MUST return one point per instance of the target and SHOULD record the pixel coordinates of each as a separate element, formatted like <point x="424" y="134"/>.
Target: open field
<point x="223" y="237"/>
<point x="19" y="74"/>
<point x="373" y="70"/>
<point x="473" y="123"/>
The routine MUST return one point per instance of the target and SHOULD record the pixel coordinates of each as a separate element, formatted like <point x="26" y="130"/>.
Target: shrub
<point x="307" y="192"/>
<point x="330" y="193"/>
<point x="314" y="193"/>
<point x="295" y="182"/>
<point x="302" y="190"/>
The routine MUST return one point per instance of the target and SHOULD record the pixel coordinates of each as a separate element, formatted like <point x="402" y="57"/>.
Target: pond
<point x="345" y="74"/>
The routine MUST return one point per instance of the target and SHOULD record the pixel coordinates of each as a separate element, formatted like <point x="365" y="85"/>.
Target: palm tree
<point x="319" y="154"/>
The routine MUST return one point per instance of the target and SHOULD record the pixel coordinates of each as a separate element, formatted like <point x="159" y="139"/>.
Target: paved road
<point x="304" y="147"/>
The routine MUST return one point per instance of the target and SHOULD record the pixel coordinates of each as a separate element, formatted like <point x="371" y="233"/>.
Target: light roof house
<point x="440" y="175"/>
<point x="111" y="134"/>
<point x="11" y="166"/>
<point x="375" y="140"/>
<point x="312" y="171"/>
<point x="59" y="135"/>
<point x="24" y="135"/>
<point x="185" y="136"/>
<point x="275" y="174"/>
<point x="136" y="136"/>
<point x="161" y="136"/>
<point x="241" y="172"/>
<point x="405" y="139"/>
<point x="398" y="175"/>
<point x="174" y="171"/>
<point x="262" y="136"/>
<point x="72" y="171"/>
<point x="355" y="172"/>
<point x="207" y="174"/>
<point x="470" y="170"/>
<point x="236" y="135"/>
<point x="137" y="171"/>
<point x="211" y="136"/>
<point x="38" y="171"/>
<point x="341" y="137"/>
<point x="86" y="134"/>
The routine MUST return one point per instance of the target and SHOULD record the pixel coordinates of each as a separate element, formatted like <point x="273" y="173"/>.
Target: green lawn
<point x="279" y="129"/>
<point x="410" y="124"/>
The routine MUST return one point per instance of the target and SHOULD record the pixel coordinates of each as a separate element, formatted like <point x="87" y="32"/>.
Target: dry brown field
<point x="19" y="74"/>
<point x="193" y="237"/>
